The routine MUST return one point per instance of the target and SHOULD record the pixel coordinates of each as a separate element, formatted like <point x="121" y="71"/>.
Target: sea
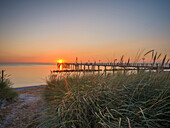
<point x="27" y="74"/>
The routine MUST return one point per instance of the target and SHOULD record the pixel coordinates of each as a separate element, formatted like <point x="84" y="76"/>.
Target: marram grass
<point x="107" y="101"/>
<point x="6" y="92"/>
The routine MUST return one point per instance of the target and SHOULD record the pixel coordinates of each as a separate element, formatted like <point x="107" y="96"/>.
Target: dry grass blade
<point x="159" y="56"/>
<point x="102" y="124"/>
<point x="154" y="59"/>
<point x="66" y="84"/>
<point x="152" y="54"/>
<point x="128" y="122"/>
<point x="144" y="116"/>
<point x="167" y="61"/>
<point x="149" y="52"/>
<point x="128" y="61"/>
<point x="121" y="60"/>
<point x="138" y="55"/>
<point x="154" y="104"/>
<point x="120" y="119"/>
<point x="163" y="61"/>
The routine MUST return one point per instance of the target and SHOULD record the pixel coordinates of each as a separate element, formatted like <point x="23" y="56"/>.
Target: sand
<point x="23" y="110"/>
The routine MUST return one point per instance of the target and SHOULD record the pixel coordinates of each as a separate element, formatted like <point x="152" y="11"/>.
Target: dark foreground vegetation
<point x="6" y="92"/>
<point x="109" y="101"/>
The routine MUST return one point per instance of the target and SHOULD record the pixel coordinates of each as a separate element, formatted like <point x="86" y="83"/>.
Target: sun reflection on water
<point x="61" y="67"/>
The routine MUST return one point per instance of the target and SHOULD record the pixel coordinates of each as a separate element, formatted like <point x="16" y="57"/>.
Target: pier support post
<point x="113" y="69"/>
<point x="137" y="69"/>
<point x="124" y="70"/>
<point x="81" y="67"/>
<point x="157" y="68"/>
<point x="84" y="67"/>
<point x="105" y="68"/>
<point x="93" y="68"/>
<point x="99" y="68"/>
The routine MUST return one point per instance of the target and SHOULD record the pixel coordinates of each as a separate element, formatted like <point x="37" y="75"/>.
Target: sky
<point x="92" y="30"/>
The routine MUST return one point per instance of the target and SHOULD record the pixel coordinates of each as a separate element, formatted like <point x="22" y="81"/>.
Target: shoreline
<point x="28" y="87"/>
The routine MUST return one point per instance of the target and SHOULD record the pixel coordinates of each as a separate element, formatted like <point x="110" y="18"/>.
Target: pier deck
<point x="93" y="67"/>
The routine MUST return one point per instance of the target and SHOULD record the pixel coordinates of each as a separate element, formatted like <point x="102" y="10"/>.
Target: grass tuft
<point x="6" y="92"/>
<point x="107" y="101"/>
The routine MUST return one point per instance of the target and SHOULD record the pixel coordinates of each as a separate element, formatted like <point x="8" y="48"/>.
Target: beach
<point x="21" y="112"/>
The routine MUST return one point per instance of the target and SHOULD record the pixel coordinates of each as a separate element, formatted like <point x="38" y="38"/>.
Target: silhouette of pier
<point x="92" y="67"/>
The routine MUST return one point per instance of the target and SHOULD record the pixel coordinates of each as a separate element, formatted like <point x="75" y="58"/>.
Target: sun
<point x="60" y="61"/>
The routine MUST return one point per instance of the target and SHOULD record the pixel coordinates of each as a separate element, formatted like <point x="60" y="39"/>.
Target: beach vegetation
<point x="7" y="94"/>
<point x="107" y="100"/>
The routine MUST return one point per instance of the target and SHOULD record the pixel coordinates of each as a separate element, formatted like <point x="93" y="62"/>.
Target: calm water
<point x="22" y="75"/>
<point x="28" y="74"/>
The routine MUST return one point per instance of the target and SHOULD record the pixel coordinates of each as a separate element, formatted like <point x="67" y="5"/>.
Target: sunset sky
<point x="48" y="30"/>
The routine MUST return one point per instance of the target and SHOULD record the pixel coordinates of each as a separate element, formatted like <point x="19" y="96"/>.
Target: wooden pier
<point x="79" y="70"/>
<point x="93" y="67"/>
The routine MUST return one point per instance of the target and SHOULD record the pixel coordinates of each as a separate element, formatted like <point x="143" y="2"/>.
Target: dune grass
<point x="112" y="100"/>
<point x="6" y="92"/>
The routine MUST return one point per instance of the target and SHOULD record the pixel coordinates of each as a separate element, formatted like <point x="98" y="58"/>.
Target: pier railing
<point x="149" y="65"/>
<point x="114" y="66"/>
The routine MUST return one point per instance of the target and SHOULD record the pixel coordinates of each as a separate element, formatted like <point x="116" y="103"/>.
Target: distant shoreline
<point x="14" y="64"/>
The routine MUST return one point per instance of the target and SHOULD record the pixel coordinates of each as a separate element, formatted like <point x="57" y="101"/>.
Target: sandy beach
<point x="23" y="110"/>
